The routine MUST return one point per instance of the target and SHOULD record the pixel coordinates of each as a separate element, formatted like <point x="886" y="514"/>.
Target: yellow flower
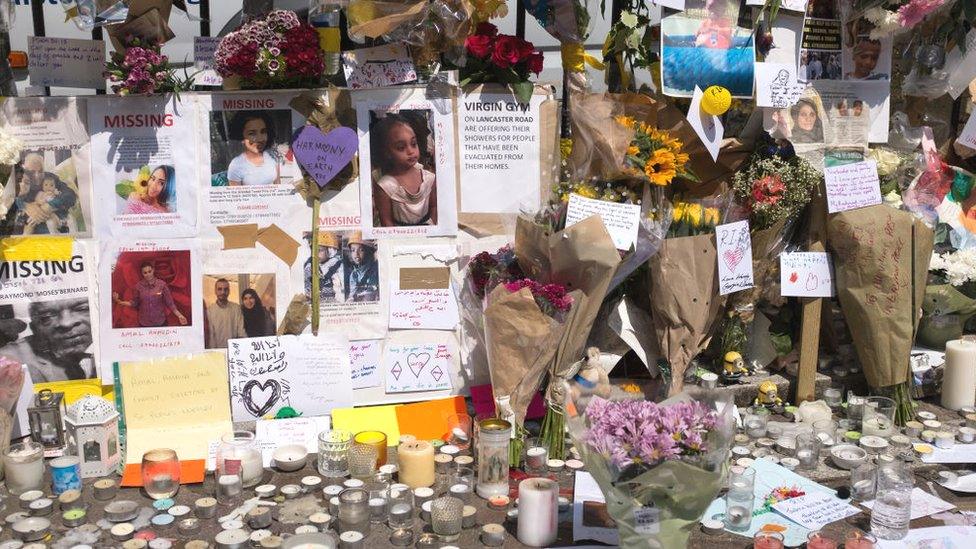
<point x="626" y="121"/>
<point x="565" y="147"/>
<point x="633" y="150"/>
<point x="587" y="191"/>
<point x="693" y="214"/>
<point x="711" y="216"/>
<point x="660" y="169"/>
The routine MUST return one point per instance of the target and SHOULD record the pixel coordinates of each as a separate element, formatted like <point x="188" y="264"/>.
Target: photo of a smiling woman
<point x="152" y="194"/>
<point x="260" y="161"/>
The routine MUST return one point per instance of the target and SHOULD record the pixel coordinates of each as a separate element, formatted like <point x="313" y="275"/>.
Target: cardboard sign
<point x="66" y="62"/>
<point x="310" y="374"/>
<point x="806" y="274"/>
<point x="620" y="220"/>
<point x="378" y="67"/>
<point x="734" y="257"/>
<point x="852" y="186"/>
<point x="417" y="367"/>
<point x="815" y="510"/>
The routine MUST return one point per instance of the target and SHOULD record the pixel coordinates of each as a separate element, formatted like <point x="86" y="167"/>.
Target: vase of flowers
<point x="500" y="59"/>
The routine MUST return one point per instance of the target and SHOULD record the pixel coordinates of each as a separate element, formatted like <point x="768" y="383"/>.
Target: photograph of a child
<point x="864" y="57"/>
<point x="347" y="267"/>
<point x="236" y="306"/>
<point x="45" y="197"/>
<point x="251" y="147"/>
<point x="402" y="168"/>
<point x="152" y="190"/>
<point x="152" y="289"/>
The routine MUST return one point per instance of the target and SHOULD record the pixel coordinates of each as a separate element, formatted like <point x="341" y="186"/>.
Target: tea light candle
<point x="258" y="536"/>
<point x="188" y="526"/>
<point x="259" y="518"/>
<point x="73" y="517"/>
<point x="291" y="491"/>
<point x="900" y="441"/>
<point x="932" y="425"/>
<point x="332" y="490"/>
<point x="536" y="458"/>
<point x="859" y="540"/>
<point x="469" y="514"/>
<point x="353" y="483"/>
<point x="407" y="438"/>
<point x="29" y="497"/>
<point x="334" y="505"/>
<point x="272" y="542"/>
<point x="745" y="462"/>
<point x="767" y="443"/>
<point x="232" y="539"/>
<point x="498" y="502"/>
<point x="376" y="439"/>
<point x="967" y="434"/>
<point x="493" y="535"/>
<point x="265" y="491"/>
<point x="740" y="439"/>
<point x="556" y="465"/>
<point x="389" y="470"/>
<point x="767" y="540"/>
<point x="443" y="462"/>
<point x="310" y="483"/>
<point x="944" y="439"/>
<point x="914" y="428"/>
<point x="574" y="465"/>
<point x="416" y="463"/>
<point x="740" y="452"/>
<point x="321" y="521"/>
<point x="959" y="377"/>
<point x="422" y="495"/>
<point x="425" y="511"/>
<point x="538" y="511"/>
<point x="873" y="444"/>
<point x="463" y="461"/>
<point x="928" y="435"/>
<point x="70" y="499"/>
<point x="450" y="450"/>
<point x="351" y="540"/>
<point x="123" y="531"/>
<point x="789" y="463"/>
<point x="970" y="420"/>
<point x="306" y="529"/>
<point x="41" y="507"/>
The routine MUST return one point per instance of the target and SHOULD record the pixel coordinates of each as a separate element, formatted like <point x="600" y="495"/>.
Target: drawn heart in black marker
<point x="417" y="361"/>
<point x="268" y="392"/>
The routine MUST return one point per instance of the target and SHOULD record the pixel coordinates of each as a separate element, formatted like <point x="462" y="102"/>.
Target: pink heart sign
<point x="325" y="155"/>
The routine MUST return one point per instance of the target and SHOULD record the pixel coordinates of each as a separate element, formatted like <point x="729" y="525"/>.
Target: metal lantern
<point x="46" y="418"/>
<point x="93" y="435"/>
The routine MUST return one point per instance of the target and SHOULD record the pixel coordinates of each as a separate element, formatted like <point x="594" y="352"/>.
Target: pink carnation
<point x="915" y="11"/>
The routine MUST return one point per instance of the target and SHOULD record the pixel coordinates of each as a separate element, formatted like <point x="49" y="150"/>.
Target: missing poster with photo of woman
<point x="49" y="189"/>
<point x="250" y="167"/>
<point x="144" y="163"/>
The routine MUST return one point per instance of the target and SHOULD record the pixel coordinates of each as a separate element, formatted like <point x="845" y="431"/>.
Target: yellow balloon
<point x="716" y="100"/>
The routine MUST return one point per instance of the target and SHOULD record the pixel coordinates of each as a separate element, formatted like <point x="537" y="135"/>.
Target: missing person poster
<point x="49" y="189"/>
<point x="249" y="169"/>
<point x="406" y="164"/>
<point x="144" y="166"/>
<point x="149" y="299"/>
<point x="47" y="318"/>
<point x="835" y="47"/>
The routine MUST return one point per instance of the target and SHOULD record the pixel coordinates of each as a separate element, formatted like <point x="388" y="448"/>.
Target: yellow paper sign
<point x="36" y="248"/>
<point x="370" y="418"/>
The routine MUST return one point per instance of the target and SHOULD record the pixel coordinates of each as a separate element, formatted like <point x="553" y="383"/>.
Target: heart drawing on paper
<point x="260" y="397"/>
<point x="794" y="277"/>
<point x="324" y="155"/>
<point x="417" y="361"/>
<point x="733" y="258"/>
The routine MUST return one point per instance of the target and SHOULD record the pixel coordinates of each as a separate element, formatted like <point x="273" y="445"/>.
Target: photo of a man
<point x="224" y="319"/>
<point x="59" y="344"/>
<point x="327" y="266"/>
<point x="362" y="271"/>
<point x="237" y="305"/>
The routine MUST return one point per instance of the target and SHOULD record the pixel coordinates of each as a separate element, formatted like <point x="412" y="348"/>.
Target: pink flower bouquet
<point x="275" y="51"/>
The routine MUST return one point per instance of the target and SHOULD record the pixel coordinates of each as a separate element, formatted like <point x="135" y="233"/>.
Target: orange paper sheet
<point x="428" y="420"/>
<point x="192" y="471"/>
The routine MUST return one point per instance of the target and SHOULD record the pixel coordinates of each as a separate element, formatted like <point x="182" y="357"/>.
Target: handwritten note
<point x="734" y="257"/>
<point x="621" y="220"/>
<point x="708" y="127"/>
<point x="204" y="48"/>
<point x="816" y="509"/>
<point x="66" y="62"/>
<point x="420" y="367"/>
<point x="434" y="309"/>
<point x="376" y="67"/>
<point x="777" y="86"/>
<point x="968" y="135"/>
<point x="272" y="433"/>
<point x="310" y="374"/>
<point x="364" y="358"/>
<point x="806" y="274"/>
<point x="852" y="186"/>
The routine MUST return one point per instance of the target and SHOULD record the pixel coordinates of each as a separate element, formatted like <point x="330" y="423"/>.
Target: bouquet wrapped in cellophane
<point x="659" y="465"/>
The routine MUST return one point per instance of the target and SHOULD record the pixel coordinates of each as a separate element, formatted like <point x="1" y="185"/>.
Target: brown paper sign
<point x="425" y="278"/>
<point x="239" y="236"/>
<point x="279" y="243"/>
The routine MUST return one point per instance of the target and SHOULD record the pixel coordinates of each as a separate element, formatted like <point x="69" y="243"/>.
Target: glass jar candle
<point x="376" y="439"/>
<point x="807" y="450"/>
<point x="857" y="539"/>
<point x="535" y="457"/>
<point x="461" y="484"/>
<point x="819" y="540"/>
<point x="878" y="417"/>
<point x="23" y="465"/>
<point x="362" y="461"/>
<point x="459" y="431"/>
<point x="354" y="511"/>
<point x="333" y="458"/>
<point x="833" y="396"/>
<point x="241" y="446"/>
<point x="446" y="514"/>
<point x="401" y="508"/>
<point x="494" y="437"/>
<point x="161" y="473"/>
<point x="755" y="421"/>
<point x="767" y="540"/>
<point x="230" y="485"/>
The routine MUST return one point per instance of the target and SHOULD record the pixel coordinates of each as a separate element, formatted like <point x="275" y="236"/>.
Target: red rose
<point x="535" y="62"/>
<point x="506" y="51"/>
<point x="478" y="45"/>
<point x="525" y="49"/>
<point x="486" y="29"/>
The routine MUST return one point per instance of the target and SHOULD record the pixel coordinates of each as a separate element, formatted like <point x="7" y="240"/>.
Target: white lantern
<point x="93" y="435"/>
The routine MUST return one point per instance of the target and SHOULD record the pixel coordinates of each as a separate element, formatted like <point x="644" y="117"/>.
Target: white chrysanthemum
<point x="10" y="148"/>
<point x="959" y="267"/>
<point x="885" y="23"/>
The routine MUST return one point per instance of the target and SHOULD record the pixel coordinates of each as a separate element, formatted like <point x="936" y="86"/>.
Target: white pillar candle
<point x="416" y="462"/>
<point x="538" y="511"/>
<point x="959" y="379"/>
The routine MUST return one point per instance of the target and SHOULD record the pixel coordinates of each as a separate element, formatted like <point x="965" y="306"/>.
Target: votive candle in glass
<point x="767" y="540"/>
<point x="461" y="484"/>
<point x="378" y="503"/>
<point x="446" y="514"/>
<point x="333" y="459"/>
<point x="354" y="511"/>
<point x="807" y="450"/>
<point x="23" y="465"/>
<point x="241" y="446"/>
<point x="459" y="431"/>
<point x="401" y="508"/>
<point x="536" y="457"/>
<point x="416" y="463"/>
<point x="755" y="421"/>
<point x="833" y="396"/>
<point x="376" y="439"/>
<point x="819" y="540"/>
<point x="160" y="473"/>
<point x="493" y="445"/>
<point x="362" y="461"/>
<point x="857" y="539"/>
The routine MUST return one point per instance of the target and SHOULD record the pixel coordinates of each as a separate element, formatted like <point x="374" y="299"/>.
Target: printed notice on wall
<point x="499" y="154"/>
<point x="852" y="186"/>
<point x="66" y="62"/>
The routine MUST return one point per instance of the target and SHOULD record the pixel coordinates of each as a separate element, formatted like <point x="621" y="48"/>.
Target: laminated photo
<point x="49" y="189"/>
<point x="47" y="316"/>
<point x="407" y="165"/>
<point x="150" y="299"/>
<point x="144" y="163"/>
<point x="707" y="44"/>
<point x="250" y="169"/>
<point x="837" y="48"/>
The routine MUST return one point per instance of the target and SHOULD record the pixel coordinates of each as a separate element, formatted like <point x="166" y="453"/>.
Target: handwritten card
<point x="272" y="433"/>
<point x="621" y="220"/>
<point x="204" y="48"/>
<point x="806" y="274"/>
<point x="434" y="309"/>
<point x="923" y="504"/>
<point x="708" y="127"/>
<point x="734" y="257"/>
<point x="310" y="374"/>
<point x="777" y="86"/>
<point x="420" y="367"/>
<point x="852" y="186"/>
<point x="376" y="67"/>
<point x="364" y="358"/>
<point x="66" y="62"/>
<point x="816" y="509"/>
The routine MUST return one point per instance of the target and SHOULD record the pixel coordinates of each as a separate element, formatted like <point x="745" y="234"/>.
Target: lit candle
<point x="959" y="379"/>
<point x="24" y="467"/>
<point x="376" y="439"/>
<point x="767" y="540"/>
<point x="817" y="540"/>
<point x="416" y="462"/>
<point x="538" y="511"/>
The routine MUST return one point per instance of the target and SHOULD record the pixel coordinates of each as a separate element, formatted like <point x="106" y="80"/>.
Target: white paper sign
<point x="816" y="509"/>
<point x="673" y="4"/>
<point x="734" y="257"/>
<point x="434" y="309"/>
<point x="66" y="62"/>
<point x="417" y="367"/>
<point x="852" y="186"/>
<point x="777" y="86"/>
<point x="310" y="374"/>
<point x="204" y="48"/>
<point x="620" y="220"/>
<point x="923" y="504"/>
<point x="708" y="127"/>
<point x="647" y="520"/>
<point x="806" y="274"/>
<point x="273" y="433"/>
<point x="364" y="358"/>
<point x="499" y="156"/>
<point x="377" y="67"/>
<point x="968" y="135"/>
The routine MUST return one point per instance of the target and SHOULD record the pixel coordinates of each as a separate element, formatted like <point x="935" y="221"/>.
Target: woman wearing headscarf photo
<point x="807" y="126"/>
<point x="258" y="321"/>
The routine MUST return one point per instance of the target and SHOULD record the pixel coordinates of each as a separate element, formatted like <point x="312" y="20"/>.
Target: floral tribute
<point x="500" y="59"/>
<point x="774" y="187"/>
<point x="551" y="298"/>
<point x="488" y="269"/>
<point x="142" y="69"/>
<point x="654" y="153"/>
<point x="275" y="51"/>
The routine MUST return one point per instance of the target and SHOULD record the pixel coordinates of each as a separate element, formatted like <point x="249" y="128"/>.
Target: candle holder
<point x="819" y="540"/>
<point x="742" y="479"/>
<point x="807" y="450"/>
<point x="23" y="466"/>
<point x="378" y="502"/>
<point x="354" y="511"/>
<point x="230" y="484"/>
<point x="863" y="479"/>
<point x="856" y="539"/>
<point x="240" y="446"/>
<point x="833" y="396"/>
<point x="333" y="459"/>
<point x="446" y="514"/>
<point x="401" y="516"/>
<point x="855" y="406"/>
<point x="536" y="457"/>
<point x="160" y="473"/>
<point x="755" y="422"/>
<point x="461" y="484"/>
<point x="376" y="439"/>
<point x="362" y="461"/>
<point x="767" y="540"/>
<point x="459" y="431"/>
<point x="878" y="417"/>
<point x="493" y="446"/>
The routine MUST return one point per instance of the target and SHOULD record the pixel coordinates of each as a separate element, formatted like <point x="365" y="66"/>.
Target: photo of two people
<point x="236" y="306"/>
<point x="347" y="267"/>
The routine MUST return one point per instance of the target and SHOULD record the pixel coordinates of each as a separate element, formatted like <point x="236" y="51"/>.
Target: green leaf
<point x="124" y="189"/>
<point x="523" y="91"/>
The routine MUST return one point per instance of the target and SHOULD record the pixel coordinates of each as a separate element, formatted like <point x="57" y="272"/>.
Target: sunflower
<point x="660" y="168"/>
